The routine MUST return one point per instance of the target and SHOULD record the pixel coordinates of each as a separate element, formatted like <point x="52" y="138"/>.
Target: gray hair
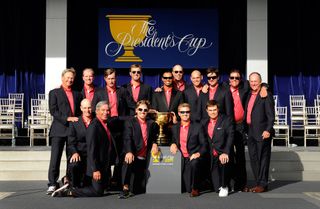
<point x="100" y="104"/>
<point x="71" y="70"/>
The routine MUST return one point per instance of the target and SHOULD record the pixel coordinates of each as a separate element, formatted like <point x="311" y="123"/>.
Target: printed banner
<point x="158" y="38"/>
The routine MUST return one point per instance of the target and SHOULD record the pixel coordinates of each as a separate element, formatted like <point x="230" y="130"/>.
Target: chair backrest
<point x="275" y="97"/>
<point x="312" y="116"/>
<point x="18" y="99"/>
<point x="39" y="111"/>
<point x="42" y="96"/>
<point x="297" y="105"/>
<point x="281" y="116"/>
<point x="7" y="111"/>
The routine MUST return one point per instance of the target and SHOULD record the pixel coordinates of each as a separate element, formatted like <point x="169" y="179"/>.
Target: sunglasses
<point x="185" y="112"/>
<point x="178" y="71"/>
<point x="142" y="110"/>
<point x="234" y="78"/>
<point x="212" y="77"/>
<point x="167" y="77"/>
<point x="136" y="72"/>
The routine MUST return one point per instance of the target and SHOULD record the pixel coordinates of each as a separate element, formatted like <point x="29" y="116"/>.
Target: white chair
<point x="275" y="98"/>
<point x="297" y="112"/>
<point x="43" y="96"/>
<point x="38" y="127"/>
<point x="18" y="108"/>
<point x="7" y="119"/>
<point x="312" y="125"/>
<point x="281" y="126"/>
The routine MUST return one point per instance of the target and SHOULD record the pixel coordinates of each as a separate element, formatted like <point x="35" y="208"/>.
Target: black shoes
<point x="63" y="191"/>
<point x="124" y="194"/>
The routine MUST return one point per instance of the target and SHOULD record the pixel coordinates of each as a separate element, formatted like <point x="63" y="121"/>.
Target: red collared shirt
<point x="135" y="91"/>
<point x="183" y="139"/>
<point x="212" y="92"/>
<point x="113" y="101"/>
<point x="250" y="106"/>
<point x="143" y="126"/>
<point x="86" y="122"/>
<point x="238" y="109"/>
<point x="104" y="124"/>
<point x="179" y="85"/>
<point x="198" y="89"/>
<point x="88" y="93"/>
<point x="70" y="99"/>
<point x="167" y="92"/>
<point x="211" y="125"/>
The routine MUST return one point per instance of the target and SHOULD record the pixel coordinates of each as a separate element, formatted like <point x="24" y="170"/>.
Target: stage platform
<point x="287" y="163"/>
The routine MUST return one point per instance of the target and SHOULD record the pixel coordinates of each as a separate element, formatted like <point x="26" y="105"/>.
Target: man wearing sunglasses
<point x="140" y="136"/>
<point x="178" y="83"/>
<point x="188" y="137"/>
<point x="217" y="92"/>
<point x="240" y="90"/>
<point x="169" y="99"/>
<point x="136" y="90"/>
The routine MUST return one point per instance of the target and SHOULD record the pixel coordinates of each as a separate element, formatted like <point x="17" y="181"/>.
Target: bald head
<point x="85" y="107"/>
<point x="196" y="78"/>
<point x="177" y="72"/>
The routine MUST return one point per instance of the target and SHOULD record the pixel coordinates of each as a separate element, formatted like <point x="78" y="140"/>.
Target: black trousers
<point x="94" y="189"/>
<point x="191" y="173"/>
<point x="220" y="173"/>
<point x="76" y="172"/>
<point x="239" y="171"/>
<point x="135" y="175"/>
<point x="57" y="146"/>
<point x="260" y="153"/>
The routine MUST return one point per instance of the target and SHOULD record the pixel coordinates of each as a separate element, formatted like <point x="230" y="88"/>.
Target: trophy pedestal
<point x="165" y="173"/>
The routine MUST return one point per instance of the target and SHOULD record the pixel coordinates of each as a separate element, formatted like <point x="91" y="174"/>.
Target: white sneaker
<point x="51" y="189"/>
<point x="223" y="192"/>
<point x="60" y="190"/>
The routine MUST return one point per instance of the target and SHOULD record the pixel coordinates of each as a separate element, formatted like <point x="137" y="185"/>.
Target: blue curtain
<point x="308" y="85"/>
<point x="27" y="82"/>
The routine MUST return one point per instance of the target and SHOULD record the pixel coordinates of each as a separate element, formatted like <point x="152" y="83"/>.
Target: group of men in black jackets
<point x="213" y="122"/>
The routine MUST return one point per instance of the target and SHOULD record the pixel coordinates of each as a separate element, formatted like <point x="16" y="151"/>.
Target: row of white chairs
<point x="12" y="112"/>
<point x="301" y="117"/>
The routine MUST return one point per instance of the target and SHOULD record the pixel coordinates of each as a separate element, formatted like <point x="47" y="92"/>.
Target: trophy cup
<point x="162" y="119"/>
<point x="128" y="31"/>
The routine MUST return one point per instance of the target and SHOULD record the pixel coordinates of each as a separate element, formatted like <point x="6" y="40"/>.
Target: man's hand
<point x="263" y="92"/>
<point x="195" y="156"/>
<point x="75" y="158"/>
<point x="224" y="158"/>
<point x="173" y="149"/>
<point x="205" y="88"/>
<point x="159" y="89"/>
<point x="72" y="119"/>
<point x="129" y="158"/>
<point x="265" y="135"/>
<point x="174" y="118"/>
<point x="154" y="149"/>
<point x="96" y="176"/>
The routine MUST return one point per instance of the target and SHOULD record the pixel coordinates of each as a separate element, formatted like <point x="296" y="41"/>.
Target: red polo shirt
<point x="250" y="106"/>
<point x="88" y="93"/>
<point x="183" y="139"/>
<point x="212" y="92"/>
<point x="238" y="109"/>
<point x="69" y="94"/>
<point x="135" y="91"/>
<point x="167" y="92"/>
<point x="143" y="126"/>
<point x="113" y="101"/>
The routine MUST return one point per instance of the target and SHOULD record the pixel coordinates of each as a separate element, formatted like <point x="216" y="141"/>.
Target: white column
<point x="257" y="29"/>
<point x="56" y="39"/>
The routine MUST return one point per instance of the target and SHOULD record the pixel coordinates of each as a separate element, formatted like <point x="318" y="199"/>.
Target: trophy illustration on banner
<point x="128" y="31"/>
<point x="162" y="119"/>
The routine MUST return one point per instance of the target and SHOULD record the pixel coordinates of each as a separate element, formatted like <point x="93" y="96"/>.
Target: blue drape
<point x="26" y="82"/>
<point x="308" y="85"/>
